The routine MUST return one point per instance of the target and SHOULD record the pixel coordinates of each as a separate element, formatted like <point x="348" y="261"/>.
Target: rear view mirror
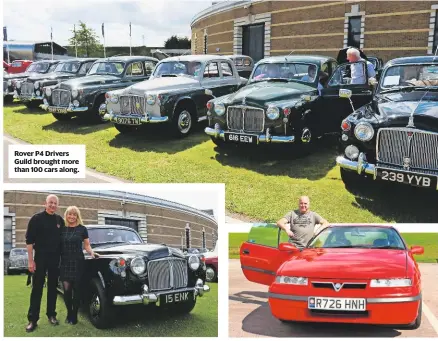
<point x="287" y="247"/>
<point x="417" y="250"/>
<point x="345" y="93"/>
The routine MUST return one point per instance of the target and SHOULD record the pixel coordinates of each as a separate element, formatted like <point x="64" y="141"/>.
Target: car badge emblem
<point x="406" y="162"/>
<point x="411" y="121"/>
<point x="337" y="286"/>
<point x="244" y="101"/>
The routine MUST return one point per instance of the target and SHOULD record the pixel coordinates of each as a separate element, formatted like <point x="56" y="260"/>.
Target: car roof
<point x="118" y="227"/>
<point x="194" y="57"/>
<point x="362" y="225"/>
<point x="127" y="59"/>
<point x="413" y="60"/>
<point x="315" y="59"/>
<point x="47" y="61"/>
<point x="79" y="60"/>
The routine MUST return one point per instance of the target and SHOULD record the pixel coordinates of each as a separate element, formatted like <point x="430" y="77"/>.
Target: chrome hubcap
<point x="184" y="122"/>
<point x="306" y="135"/>
<point x="95" y="306"/>
<point x="209" y="274"/>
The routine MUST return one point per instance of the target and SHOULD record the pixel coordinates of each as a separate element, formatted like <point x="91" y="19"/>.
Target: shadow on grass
<point x="286" y="160"/>
<point x="395" y="202"/>
<point x="158" y="138"/>
<point x="260" y="321"/>
<point x="77" y="125"/>
<point x="22" y="109"/>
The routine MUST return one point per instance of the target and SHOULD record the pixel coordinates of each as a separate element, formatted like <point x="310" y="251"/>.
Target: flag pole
<point x="51" y="39"/>
<point x="76" y="45"/>
<point x="5" y="38"/>
<point x="103" y="34"/>
<point x="130" y="40"/>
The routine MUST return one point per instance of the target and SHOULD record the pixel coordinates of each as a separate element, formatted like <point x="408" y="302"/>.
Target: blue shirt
<point x="357" y="72"/>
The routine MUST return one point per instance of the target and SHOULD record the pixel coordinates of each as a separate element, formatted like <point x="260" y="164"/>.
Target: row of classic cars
<point x="129" y="271"/>
<point x="345" y="274"/>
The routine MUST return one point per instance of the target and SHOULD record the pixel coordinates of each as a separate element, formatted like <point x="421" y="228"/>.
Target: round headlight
<point x="273" y="113"/>
<point x="74" y="93"/>
<point x="219" y="109"/>
<point x="150" y="99"/>
<point x="48" y="92"/>
<point x="352" y="152"/>
<point x="138" y="265"/>
<point x="36" y="85"/>
<point x="76" y="103"/>
<point x="9" y="82"/>
<point x="114" y="98"/>
<point x="18" y="85"/>
<point x="194" y="263"/>
<point x="364" y="131"/>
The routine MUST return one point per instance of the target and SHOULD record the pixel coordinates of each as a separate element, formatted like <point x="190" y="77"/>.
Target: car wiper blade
<point x="169" y="75"/>
<point x="104" y="243"/>
<point x="388" y="247"/>
<point x="285" y="80"/>
<point x="342" y="247"/>
<point x="398" y="88"/>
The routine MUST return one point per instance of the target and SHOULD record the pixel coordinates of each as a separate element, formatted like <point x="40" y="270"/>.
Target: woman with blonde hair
<point x="72" y="260"/>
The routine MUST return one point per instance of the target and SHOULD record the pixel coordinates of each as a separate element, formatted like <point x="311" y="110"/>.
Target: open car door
<point x="259" y="256"/>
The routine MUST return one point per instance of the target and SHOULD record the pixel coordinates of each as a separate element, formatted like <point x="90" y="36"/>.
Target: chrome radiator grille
<point x="245" y="118"/>
<point x="132" y="105"/>
<point x="408" y="148"/>
<point x="19" y="262"/>
<point x="27" y="89"/>
<point x="169" y="273"/>
<point x="61" y="97"/>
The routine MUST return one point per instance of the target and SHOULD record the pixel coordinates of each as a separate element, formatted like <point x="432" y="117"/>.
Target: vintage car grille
<point x="26" y="89"/>
<point x="61" y="97"/>
<point x="132" y="105"/>
<point x="245" y="118"/>
<point x="408" y="148"/>
<point x="168" y="273"/>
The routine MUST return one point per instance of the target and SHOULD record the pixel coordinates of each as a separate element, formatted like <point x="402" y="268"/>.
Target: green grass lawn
<point x="428" y="240"/>
<point x="260" y="183"/>
<point x="132" y="322"/>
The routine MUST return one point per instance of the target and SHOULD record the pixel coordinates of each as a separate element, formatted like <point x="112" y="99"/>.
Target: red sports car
<point x="346" y="274"/>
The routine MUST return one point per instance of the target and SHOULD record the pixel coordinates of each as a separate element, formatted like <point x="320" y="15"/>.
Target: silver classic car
<point x="17" y="261"/>
<point x="176" y="94"/>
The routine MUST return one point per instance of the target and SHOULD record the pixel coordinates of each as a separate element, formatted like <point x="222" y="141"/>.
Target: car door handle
<point x="366" y="92"/>
<point x="245" y="252"/>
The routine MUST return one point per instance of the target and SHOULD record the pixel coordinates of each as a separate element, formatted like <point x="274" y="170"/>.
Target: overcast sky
<point x="157" y="20"/>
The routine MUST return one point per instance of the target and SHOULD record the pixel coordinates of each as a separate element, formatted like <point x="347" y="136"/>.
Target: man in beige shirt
<point x="300" y="224"/>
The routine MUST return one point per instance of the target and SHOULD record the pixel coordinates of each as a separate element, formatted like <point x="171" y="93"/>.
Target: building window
<point x="7" y="233"/>
<point x="354" y="31"/>
<point x="122" y="222"/>
<point x="435" y="34"/>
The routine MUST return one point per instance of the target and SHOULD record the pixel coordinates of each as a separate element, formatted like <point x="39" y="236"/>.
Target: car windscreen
<point x="38" y="67"/>
<point x="69" y="67"/>
<point x="367" y="237"/>
<point x="301" y="72"/>
<point x="18" y="252"/>
<point x="113" y="235"/>
<point x="408" y="75"/>
<point x="107" y="68"/>
<point x="177" y="68"/>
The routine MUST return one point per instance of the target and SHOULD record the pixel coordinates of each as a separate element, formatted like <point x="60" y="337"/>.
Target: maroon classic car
<point x="211" y="262"/>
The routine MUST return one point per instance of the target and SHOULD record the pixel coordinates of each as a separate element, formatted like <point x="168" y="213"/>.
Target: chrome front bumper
<point x="361" y="166"/>
<point x="143" y="119"/>
<point x="148" y="298"/>
<point x="263" y="138"/>
<point x="29" y="98"/>
<point x="69" y="109"/>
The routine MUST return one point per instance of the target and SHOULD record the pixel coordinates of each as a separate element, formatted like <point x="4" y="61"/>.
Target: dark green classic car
<point x="84" y="96"/>
<point x="288" y="99"/>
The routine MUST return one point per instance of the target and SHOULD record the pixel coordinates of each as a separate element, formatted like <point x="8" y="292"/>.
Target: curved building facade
<point x="156" y="220"/>
<point x="387" y="29"/>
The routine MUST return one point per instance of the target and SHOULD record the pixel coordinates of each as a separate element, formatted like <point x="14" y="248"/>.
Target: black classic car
<point x="287" y="99"/>
<point x="84" y="96"/>
<point x="129" y="271"/>
<point x="12" y="82"/>
<point x="176" y="94"/>
<point x="395" y="137"/>
<point x="378" y="65"/>
<point x="32" y="89"/>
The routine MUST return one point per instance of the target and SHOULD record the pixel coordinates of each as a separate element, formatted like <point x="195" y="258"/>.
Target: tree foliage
<point x="86" y="40"/>
<point x="175" y="42"/>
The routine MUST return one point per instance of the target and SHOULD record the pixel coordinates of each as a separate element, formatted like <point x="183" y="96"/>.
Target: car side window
<point x="84" y="68"/>
<point x="227" y="70"/>
<point x="211" y="70"/>
<point x="354" y="73"/>
<point x="265" y="234"/>
<point x="149" y="66"/>
<point x="135" y="70"/>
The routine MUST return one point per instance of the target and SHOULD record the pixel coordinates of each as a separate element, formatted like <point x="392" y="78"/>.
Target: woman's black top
<point x="72" y="256"/>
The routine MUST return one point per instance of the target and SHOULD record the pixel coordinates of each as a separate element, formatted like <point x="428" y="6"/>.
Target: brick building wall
<point x="389" y="29"/>
<point x="156" y="224"/>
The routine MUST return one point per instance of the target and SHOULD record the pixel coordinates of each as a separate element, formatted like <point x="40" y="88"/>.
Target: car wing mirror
<point x="417" y="250"/>
<point x="346" y="93"/>
<point x="287" y="247"/>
